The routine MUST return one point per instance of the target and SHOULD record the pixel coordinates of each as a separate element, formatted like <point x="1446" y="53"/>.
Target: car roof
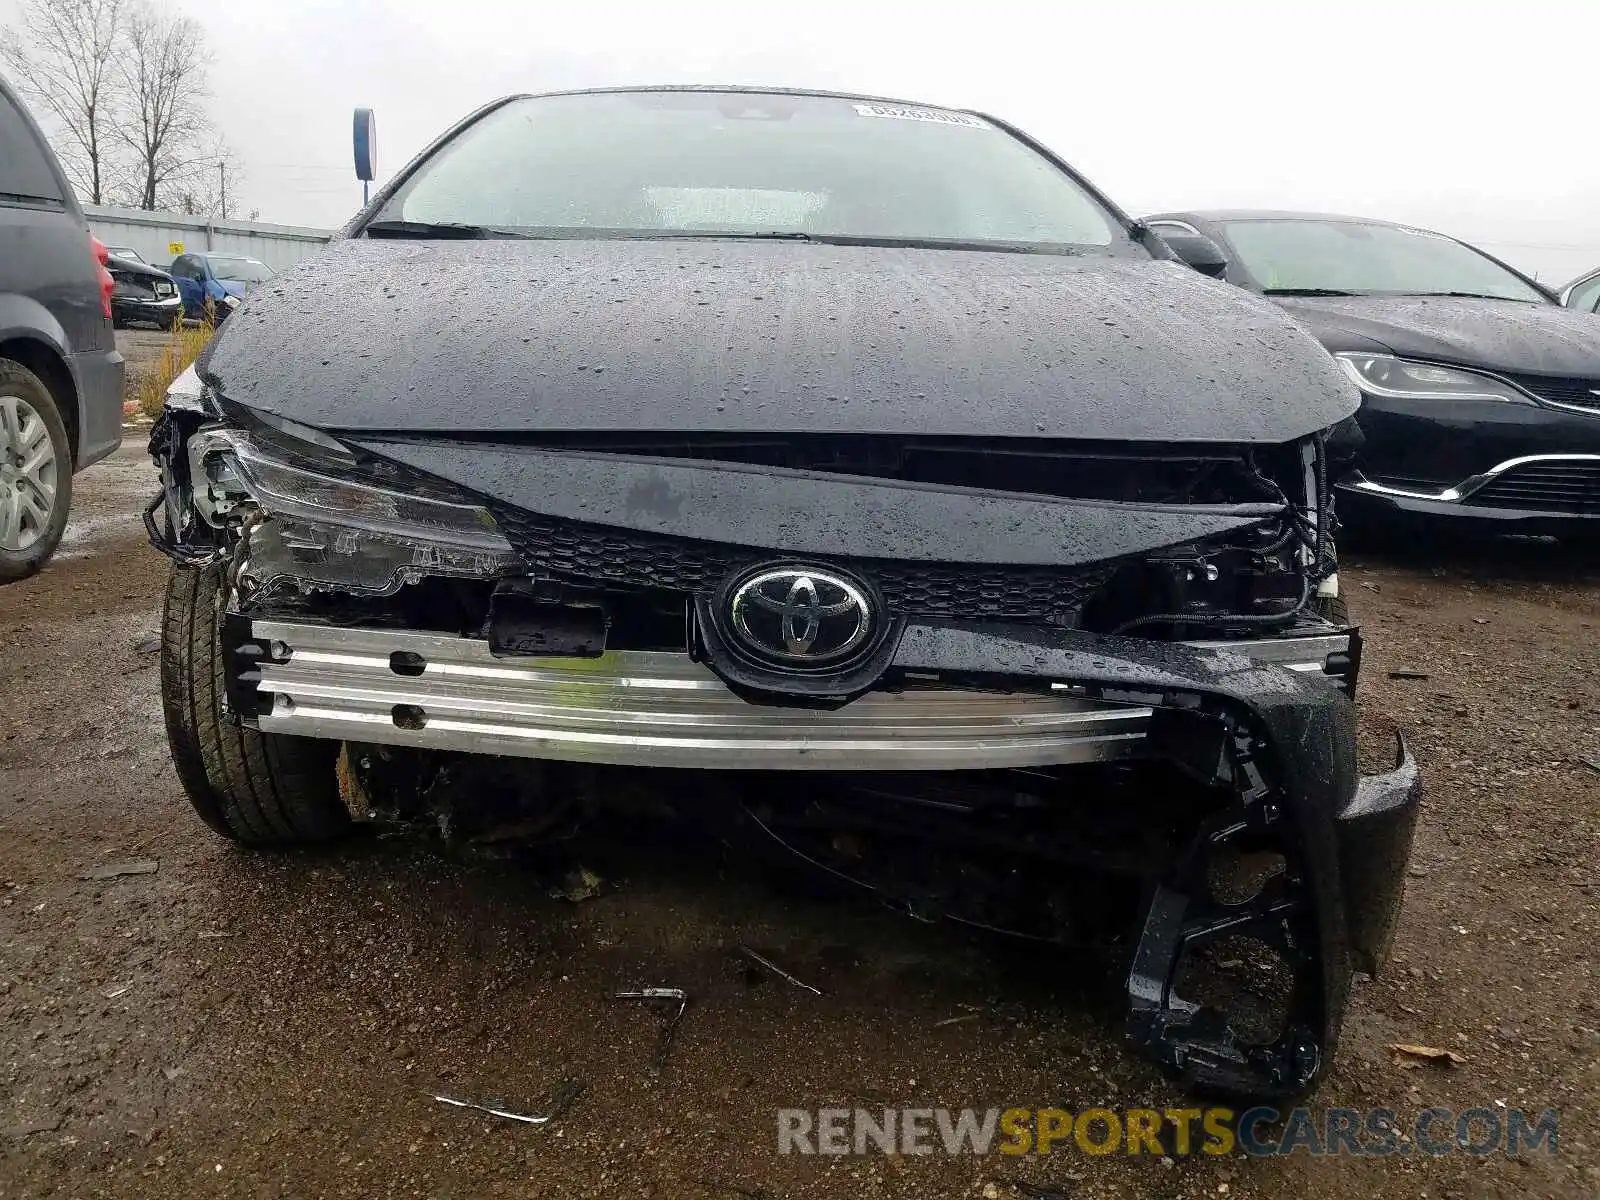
<point x="1272" y="214"/>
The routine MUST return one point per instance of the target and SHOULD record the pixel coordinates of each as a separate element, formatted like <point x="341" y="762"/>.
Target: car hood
<point x="126" y="266"/>
<point x="1496" y="335"/>
<point x="526" y="337"/>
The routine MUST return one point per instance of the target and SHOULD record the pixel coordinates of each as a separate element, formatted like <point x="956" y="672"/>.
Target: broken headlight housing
<point x="309" y="517"/>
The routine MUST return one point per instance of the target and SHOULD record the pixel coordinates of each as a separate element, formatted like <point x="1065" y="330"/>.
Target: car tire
<point x="27" y="410"/>
<point x="258" y="789"/>
<point x="1332" y="608"/>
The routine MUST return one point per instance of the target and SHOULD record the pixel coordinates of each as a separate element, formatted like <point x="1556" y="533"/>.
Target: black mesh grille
<point x="598" y="554"/>
<point x="1550" y="486"/>
<point x="1577" y="393"/>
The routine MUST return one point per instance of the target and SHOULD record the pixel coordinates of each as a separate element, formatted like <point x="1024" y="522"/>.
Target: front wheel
<point x="256" y="788"/>
<point x="35" y="472"/>
<point x="1334" y="609"/>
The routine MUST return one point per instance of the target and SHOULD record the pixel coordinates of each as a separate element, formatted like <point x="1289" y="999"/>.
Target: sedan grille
<point x="1573" y="393"/>
<point x="1553" y="485"/>
<point x="606" y="556"/>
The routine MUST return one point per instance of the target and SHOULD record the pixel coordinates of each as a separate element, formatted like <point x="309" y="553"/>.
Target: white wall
<point x="153" y="234"/>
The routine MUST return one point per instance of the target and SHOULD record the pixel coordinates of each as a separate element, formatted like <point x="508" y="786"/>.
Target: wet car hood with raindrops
<point x="553" y="336"/>
<point x="1494" y="335"/>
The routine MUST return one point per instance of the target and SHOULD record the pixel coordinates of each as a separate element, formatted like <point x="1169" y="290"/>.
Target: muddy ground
<point x="253" y="1025"/>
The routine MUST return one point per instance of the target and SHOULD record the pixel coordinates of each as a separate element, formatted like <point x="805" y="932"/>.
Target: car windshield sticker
<point x="1427" y="233"/>
<point x="900" y="112"/>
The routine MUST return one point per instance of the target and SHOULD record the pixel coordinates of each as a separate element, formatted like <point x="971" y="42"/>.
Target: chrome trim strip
<point x="1589" y="410"/>
<point x="1293" y="654"/>
<point x="656" y="709"/>
<point x="1471" y="484"/>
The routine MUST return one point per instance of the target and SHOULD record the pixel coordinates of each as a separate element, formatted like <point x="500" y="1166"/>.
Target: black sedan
<point x="142" y="294"/>
<point x="1480" y="393"/>
<point x="857" y="442"/>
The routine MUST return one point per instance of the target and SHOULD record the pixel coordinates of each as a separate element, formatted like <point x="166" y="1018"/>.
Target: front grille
<point x="1574" y="393"/>
<point x="1550" y="486"/>
<point x="602" y="555"/>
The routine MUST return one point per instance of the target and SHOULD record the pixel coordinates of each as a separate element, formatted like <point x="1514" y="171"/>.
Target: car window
<point x="1585" y="296"/>
<point x="187" y="267"/>
<point x="1365" y="258"/>
<point x="238" y="270"/>
<point x="686" y="162"/>
<point x="25" y="171"/>
<point x="127" y="252"/>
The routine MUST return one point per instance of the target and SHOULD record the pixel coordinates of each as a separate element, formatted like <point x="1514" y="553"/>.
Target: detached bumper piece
<point x="1329" y="908"/>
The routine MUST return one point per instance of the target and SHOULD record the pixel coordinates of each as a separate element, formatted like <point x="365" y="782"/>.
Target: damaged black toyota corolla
<point x="744" y="431"/>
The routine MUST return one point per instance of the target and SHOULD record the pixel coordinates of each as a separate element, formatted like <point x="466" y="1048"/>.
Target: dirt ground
<point x="142" y="348"/>
<point x="256" y="1025"/>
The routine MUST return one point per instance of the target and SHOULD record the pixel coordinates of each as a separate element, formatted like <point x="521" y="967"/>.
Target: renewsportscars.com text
<point x="1376" y="1132"/>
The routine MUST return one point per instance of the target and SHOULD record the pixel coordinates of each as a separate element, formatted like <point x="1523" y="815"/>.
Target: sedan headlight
<point x="323" y="527"/>
<point x="1388" y="376"/>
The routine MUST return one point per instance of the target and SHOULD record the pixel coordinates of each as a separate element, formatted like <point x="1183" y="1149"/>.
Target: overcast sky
<point x="1476" y="118"/>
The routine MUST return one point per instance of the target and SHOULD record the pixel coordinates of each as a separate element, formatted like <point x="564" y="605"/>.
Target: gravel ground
<point x="142" y="348"/>
<point x="253" y="1025"/>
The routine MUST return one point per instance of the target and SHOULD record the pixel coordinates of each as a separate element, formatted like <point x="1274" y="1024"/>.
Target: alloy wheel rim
<point x="27" y="474"/>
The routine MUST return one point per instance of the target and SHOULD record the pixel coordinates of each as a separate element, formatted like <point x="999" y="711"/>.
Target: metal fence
<point x="161" y="236"/>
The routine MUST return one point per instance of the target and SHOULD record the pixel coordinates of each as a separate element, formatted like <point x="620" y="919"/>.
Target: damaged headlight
<point x="186" y="393"/>
<point x="305" y="522"/>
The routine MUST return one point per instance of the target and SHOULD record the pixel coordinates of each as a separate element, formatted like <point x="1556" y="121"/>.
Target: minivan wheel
<point x="258" y="789"/>
<point x="35" y="472"/>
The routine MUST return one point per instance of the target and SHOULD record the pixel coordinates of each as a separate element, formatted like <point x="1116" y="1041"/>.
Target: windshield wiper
<point x="1307" y="292"/>
<point x="723" y="235"/>
<point x="452" y="230"/>
<point x="1474" y="296"/>
<point x="853" y="239"/>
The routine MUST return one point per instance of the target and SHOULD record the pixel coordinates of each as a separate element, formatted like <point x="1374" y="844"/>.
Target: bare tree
<point x="62" y="57"/>
<point x="163" y="68"/>
<point x="208" y="186"/>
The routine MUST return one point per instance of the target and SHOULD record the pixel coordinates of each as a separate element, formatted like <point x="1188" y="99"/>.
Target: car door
<point x="186" y="274"/>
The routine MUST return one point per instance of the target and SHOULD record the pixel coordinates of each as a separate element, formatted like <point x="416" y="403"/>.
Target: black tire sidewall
<point x="16" y="378"/>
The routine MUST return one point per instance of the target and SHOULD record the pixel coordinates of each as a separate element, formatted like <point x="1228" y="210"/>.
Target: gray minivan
<point x="60" y="373"/>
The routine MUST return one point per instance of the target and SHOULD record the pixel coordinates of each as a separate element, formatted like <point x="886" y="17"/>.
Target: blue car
<point x="221" y="278"/>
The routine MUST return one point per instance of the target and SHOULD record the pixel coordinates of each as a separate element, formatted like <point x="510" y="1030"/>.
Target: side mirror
<point x="1199" y="252"/>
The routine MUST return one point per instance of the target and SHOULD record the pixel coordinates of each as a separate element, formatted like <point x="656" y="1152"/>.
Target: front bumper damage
<point x="1270" y="746"/>
<point x="1218" y="752"/>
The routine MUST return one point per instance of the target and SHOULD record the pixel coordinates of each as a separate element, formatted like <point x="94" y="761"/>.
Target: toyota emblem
<point x="800" y="616"/>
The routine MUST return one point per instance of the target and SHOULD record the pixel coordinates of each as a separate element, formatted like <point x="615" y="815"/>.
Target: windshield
<point x="1367" y="259"/>
<point x="239" y="270"/>
<point x="689" y="163"/>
